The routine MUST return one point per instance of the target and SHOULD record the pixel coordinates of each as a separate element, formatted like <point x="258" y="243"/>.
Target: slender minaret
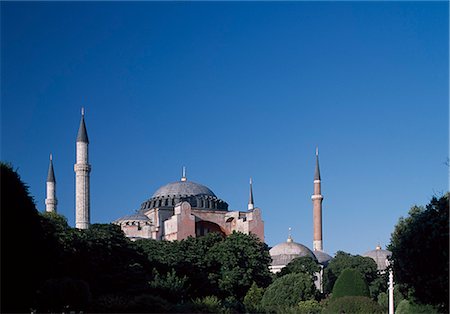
<point x="82" y="171"/>
<point x="51" y="201"/>
<point x="317" y="208"/>
<point x="251" y="204"/>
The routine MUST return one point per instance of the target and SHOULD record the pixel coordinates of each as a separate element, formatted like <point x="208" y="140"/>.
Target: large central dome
<point x="198" y="195"/>
<point x="183" y="188"/>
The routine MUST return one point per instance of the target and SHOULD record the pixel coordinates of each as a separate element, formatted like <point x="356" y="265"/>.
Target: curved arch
<point x="204" y="227"/>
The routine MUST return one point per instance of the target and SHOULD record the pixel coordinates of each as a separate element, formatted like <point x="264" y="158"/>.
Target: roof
<point x="82" y="133"/>
<point x="187" y="188"/>
<point x="379" y="256"/>
<point x="51" y="174"/>
<point x="322" y="257"/>
<point x="285" y="252"/>
<point x="134" y="217"/>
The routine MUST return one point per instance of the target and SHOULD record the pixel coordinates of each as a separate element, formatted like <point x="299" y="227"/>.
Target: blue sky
<point x="233" y="90"/>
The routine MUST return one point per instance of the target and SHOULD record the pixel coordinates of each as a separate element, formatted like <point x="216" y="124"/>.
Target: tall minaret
<point x="317" y="208"/>
<point x="82" y="171"/>
<point x="51" y="201"/>
<point x="251" y="204"/>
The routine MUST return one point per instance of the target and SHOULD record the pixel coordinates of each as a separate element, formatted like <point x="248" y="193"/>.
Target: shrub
<point x="407" y="307"/>
<point x="353" y="304"/>
<point x="208" y="304"/>
<point x="289" y="290"/>
<point x="350" y="283"/>
<point x="309" y="307"/>
<point x="252" y="300"/>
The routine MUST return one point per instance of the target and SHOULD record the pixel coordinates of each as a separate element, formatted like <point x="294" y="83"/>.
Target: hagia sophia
<point x="185" y="208"/>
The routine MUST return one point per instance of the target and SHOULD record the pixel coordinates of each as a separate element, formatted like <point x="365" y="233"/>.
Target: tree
<point x="27" y="257"/>
<point x="252" y="300"/>
<point x="289" y="290"/>
<point x="365" y="265"/>
<point x="350" y="283"/>
<point x="304" y="264"/>
<point x="419" y="246"/>
<point x="353" y="304"/>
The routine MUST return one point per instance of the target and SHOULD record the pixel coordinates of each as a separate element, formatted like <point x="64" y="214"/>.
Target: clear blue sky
<point x="233" y="90"/>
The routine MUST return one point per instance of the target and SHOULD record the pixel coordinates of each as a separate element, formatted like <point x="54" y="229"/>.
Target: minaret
<point x="82" y="171"/>
<point x="51" y="201"/>
<point x="251" y="204"/>
<point x="317" y="208"/>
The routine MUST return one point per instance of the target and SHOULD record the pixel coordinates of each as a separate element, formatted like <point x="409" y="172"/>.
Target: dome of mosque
<point x="379" y="256"/>
<point x="322" y="257"/>
<point x="285" y="252"/>
<point x="197" y="195"/>
<point x="179" y="188"/>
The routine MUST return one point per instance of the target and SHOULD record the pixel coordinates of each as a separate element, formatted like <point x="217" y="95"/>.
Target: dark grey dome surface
<point x="183" y="188"/>
<point x="134" y="217"/>
<point x="379" y="256"/>
<point x="322" y="257"/>
<point x="285" y="252"/>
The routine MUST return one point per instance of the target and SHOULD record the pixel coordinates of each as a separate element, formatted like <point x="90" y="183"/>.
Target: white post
<point x="391" y="292"/>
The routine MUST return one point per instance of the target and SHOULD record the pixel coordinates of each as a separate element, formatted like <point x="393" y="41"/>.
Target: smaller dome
<point x="322" y="257"/>
<point x="379" y="256"/>
<point x="133" y="217"/>
<point x="285" y="252"/>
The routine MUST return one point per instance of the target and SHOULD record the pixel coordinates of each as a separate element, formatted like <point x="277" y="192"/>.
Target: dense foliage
<point x="364" y="265"/>
<point x="289" y="290"/>
<point x="420" y="245"/>
<point x="304" y="264"/>
<point x="353" y="304"/>
<point x="350" y="283"/>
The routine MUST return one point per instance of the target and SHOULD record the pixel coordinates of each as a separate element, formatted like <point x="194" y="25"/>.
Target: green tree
<point x="309" y="307"/>
<point x="289" y="290"/>
<point x="304" y="264"/>
<point x="423" y="236"/>
<point x="407" y="307"/>
<point x="27" y="256"/>
<point x="252" y="300"/>
<point x="365" y="265"/>
<point x="353" y="304"/>
<point x="350" y="283"/>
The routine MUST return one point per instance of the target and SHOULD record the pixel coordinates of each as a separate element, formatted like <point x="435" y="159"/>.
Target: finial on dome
<point x="183" y="174"/>
<point x="289" y="239"/>
<point x="378" y="247"/>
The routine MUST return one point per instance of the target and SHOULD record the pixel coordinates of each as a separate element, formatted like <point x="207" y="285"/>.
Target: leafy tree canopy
<point x="304" y="264"/>
<point x="350" y="283"/>
<point x="420" y="245"/>
<point x="364" y="265"/>
<point x="353" y="304"/>
<point x="289" y="290"/>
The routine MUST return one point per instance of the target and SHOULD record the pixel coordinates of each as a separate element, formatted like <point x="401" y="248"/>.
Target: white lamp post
<point x="391" y="287"/>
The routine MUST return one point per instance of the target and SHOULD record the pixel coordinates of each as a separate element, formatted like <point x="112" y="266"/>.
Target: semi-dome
<point x="379" y="256"/>
<point x="187" y="188"/>
<point x="285" y="252"/>
<point x="322" y="257"/>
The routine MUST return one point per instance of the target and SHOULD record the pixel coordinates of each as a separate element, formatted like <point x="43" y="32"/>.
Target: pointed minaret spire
<point x="183" y="174"/>
<point x="317" y="172"/>
<point x="82" y="133"/>
<point x="82" y="178"/>
<point x="51" y="201"/>
<point x="317" y="199"/>
<point x="251" y="203"/>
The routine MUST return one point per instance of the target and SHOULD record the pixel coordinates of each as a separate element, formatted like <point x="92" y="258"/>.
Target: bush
<point x="407" y="307"/>
<point x="353" y="304"/>
<point x="350" y="283"/>
<point x="252" y="300"/>
<point x="309" y="307"/>
<point x="289" y="290"/>
<point x="208" y="304"/>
